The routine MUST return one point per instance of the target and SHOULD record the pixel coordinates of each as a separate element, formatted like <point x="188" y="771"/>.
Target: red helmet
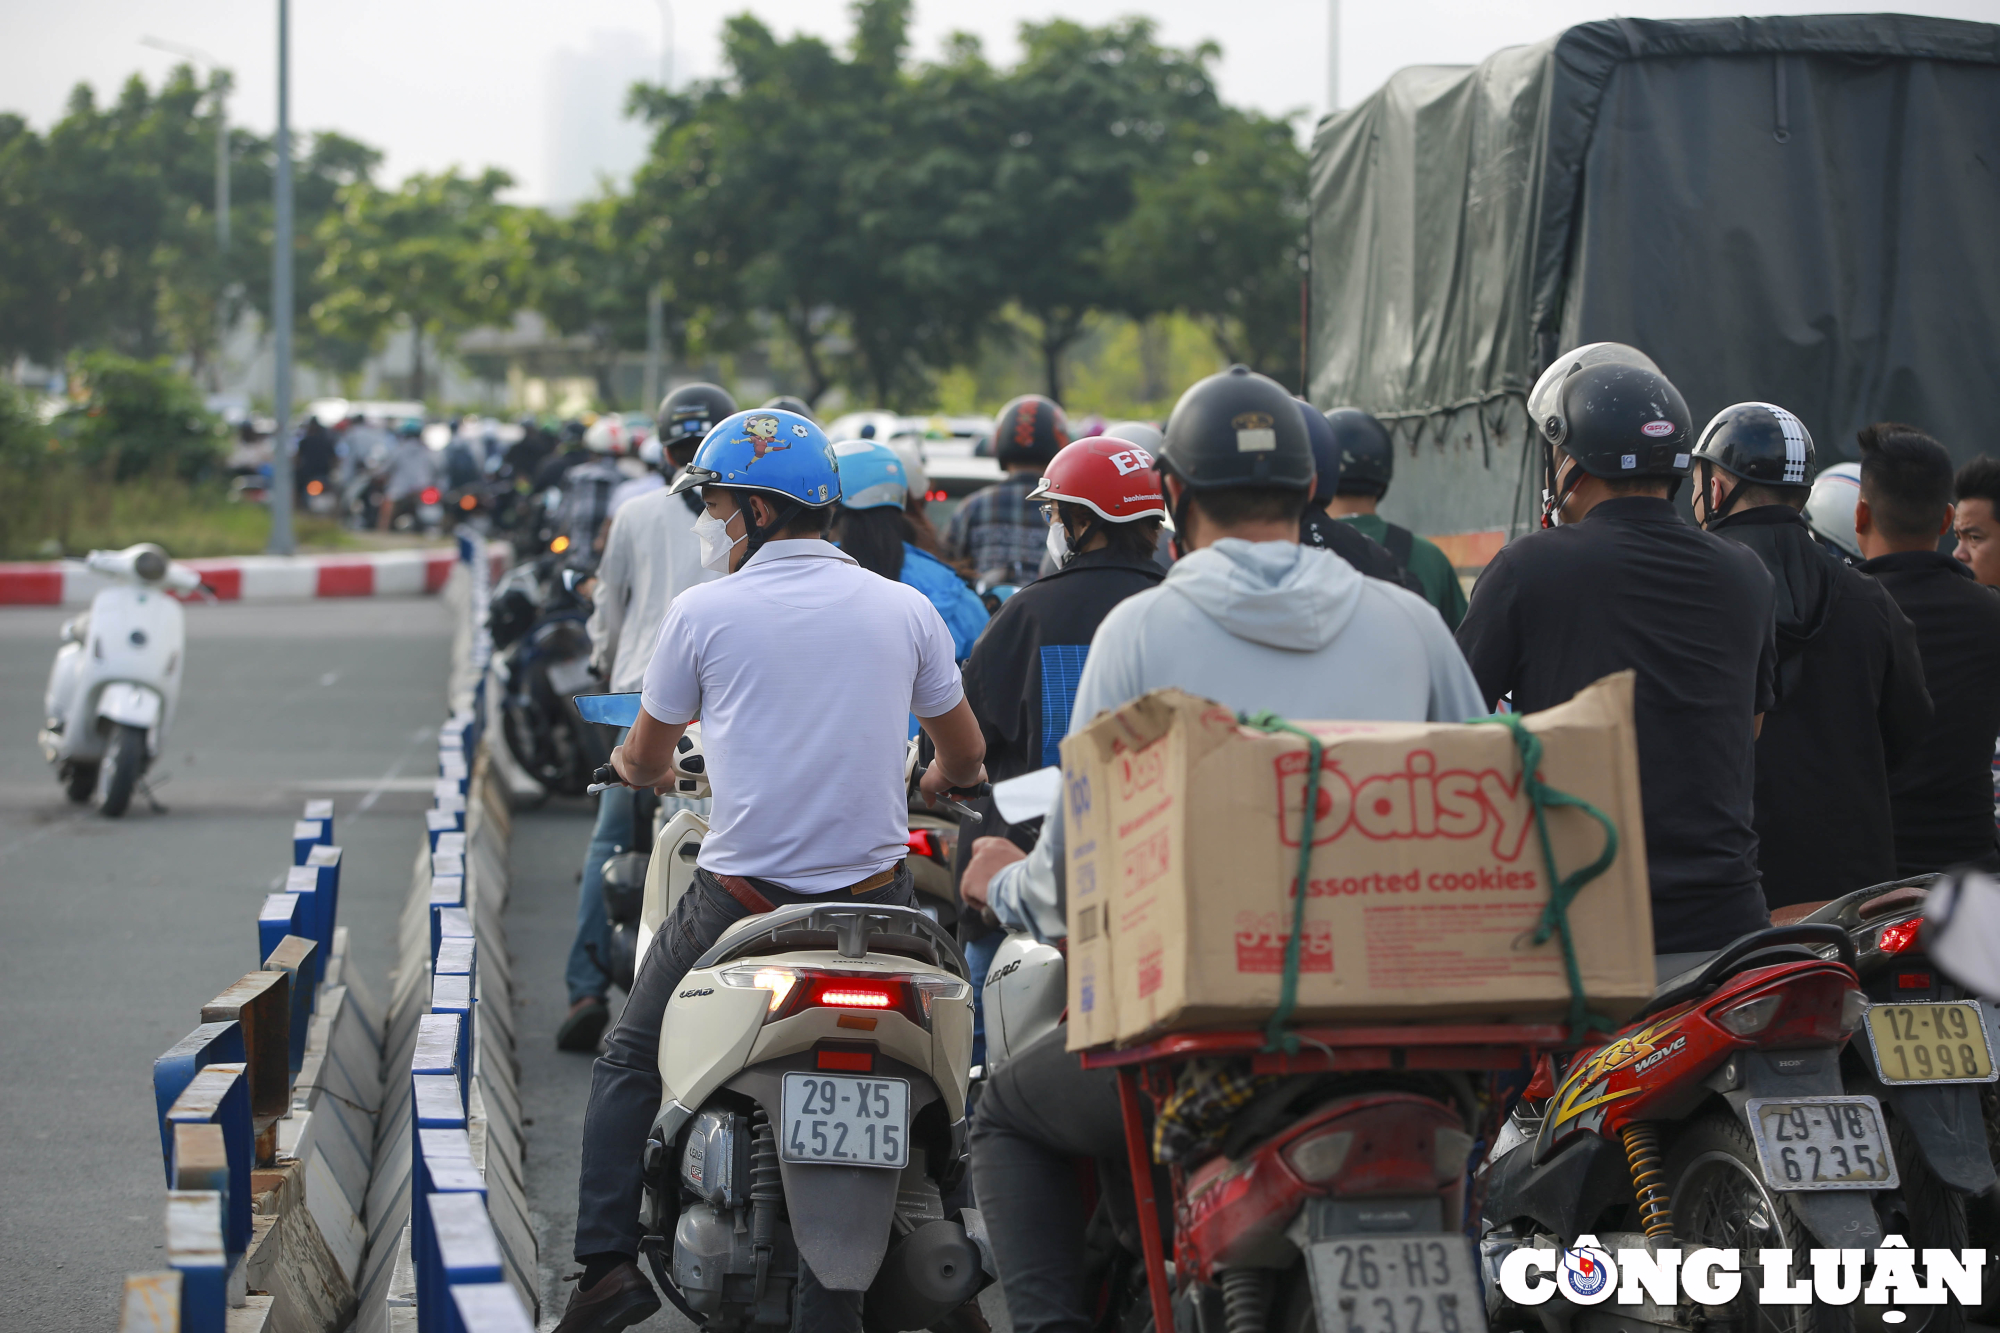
<point x="1114" y="479"/>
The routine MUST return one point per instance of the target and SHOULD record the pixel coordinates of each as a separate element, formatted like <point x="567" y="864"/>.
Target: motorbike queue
<point x="797" y="1121"/>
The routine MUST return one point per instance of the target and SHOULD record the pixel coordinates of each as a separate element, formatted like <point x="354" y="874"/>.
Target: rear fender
<point x="129" y="705"/>
<point x="841" y="1215"/>
<point x="1837" y="1218"/>
<point x="1944" y="1119"/>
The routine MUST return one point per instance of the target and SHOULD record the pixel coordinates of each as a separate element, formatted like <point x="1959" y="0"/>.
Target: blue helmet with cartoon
<point x="872" y="475"/>
<point x="770" y="450"/>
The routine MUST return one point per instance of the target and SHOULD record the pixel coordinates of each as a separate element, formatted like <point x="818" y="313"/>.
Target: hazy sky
<point x="437" y="82"/>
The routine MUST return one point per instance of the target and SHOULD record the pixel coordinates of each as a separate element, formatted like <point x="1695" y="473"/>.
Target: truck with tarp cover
<point x="1799" y="210"/>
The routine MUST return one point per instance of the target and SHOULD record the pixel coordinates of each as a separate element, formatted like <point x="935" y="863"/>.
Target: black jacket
<point x="1851" y="708"/>
<point x="1366" y="554"/>
<point x="1032" y="652"/>
<point x="1631" y="585"/>
<point x="1942" y="799"/>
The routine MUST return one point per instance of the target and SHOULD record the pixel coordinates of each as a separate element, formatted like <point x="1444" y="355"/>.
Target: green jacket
<point x="1431" y="566"/>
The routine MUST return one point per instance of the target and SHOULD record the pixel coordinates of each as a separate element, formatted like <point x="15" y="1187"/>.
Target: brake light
<point x="1913" y="981"/>
<point x="926" y="843"/>
<point x="1752" y="1016"/>
<point x="430" y="495"/>
<point x="1901" y="937"/>
<point x="852" y="997"/>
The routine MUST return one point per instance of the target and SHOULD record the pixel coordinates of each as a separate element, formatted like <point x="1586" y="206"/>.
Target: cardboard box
<point x="1427" y="877"/>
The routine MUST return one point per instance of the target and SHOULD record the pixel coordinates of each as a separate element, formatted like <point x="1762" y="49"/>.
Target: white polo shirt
<point x="803" y="668"/>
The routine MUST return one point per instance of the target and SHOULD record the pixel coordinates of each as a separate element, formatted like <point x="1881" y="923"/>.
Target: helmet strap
<point x="1553" y="499"/>
<point x="755" y="534"/>
<point x="1180" y="512"/>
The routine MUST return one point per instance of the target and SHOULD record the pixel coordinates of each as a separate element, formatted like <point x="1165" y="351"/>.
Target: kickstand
<point x="152" y="799"/>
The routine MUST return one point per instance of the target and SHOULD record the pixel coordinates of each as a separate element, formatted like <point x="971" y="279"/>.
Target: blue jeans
<point x="979" y="961"/>
<point x="585" y="976"/>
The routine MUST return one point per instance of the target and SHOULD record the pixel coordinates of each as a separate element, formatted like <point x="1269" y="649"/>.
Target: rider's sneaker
<point x="620" y="1299"/>
<point x="582" y="1030"/>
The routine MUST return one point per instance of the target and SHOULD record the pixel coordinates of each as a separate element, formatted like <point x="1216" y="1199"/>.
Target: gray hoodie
<point x="1254" y="626"/>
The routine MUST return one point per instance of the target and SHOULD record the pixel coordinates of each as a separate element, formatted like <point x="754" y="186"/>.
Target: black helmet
<point x="690" y="411"/>
<point x="1031" y="429"/>
<point x="1625" y="421"/>
<point x="1326" y="452"/>
<point x="1238" y="428"/>
<point x="784" y="402"/>
<point x="1367" y="458"/>
<point x="1759" y="442"/>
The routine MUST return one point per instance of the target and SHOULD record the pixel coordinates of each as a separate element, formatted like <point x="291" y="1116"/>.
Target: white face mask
<point x="716" y="543"/>
<point x="1058" y="544"/>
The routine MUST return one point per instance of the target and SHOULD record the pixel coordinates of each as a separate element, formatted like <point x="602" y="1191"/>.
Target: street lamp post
<point x="219" y="83"/>
<point x="1332" y="56"/>
<point x="281" y="302"/>
<point x="655" y="312"/>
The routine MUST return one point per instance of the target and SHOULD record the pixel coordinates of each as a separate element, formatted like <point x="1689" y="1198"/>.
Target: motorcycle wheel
<point x="118" y="774"/>
<point x="1721" y="1199"/>
<point x="79" y="780"/>
<point x="1929" y="1216"/>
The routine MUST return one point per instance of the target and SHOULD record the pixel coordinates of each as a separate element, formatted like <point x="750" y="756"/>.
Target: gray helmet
<point x="1830" y="508"/>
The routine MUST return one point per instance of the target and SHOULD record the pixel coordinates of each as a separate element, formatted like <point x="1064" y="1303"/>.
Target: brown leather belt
<point x="746" y="893"/>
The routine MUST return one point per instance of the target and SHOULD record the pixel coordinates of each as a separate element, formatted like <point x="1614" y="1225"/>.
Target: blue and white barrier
<point x="449" y="1243"/>
<point x="296" y="1117"/>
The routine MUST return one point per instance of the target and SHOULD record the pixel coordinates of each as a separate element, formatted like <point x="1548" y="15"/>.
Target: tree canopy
<point x="885" y="218"/>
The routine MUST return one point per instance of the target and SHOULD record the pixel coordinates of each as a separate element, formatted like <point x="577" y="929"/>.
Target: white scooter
<point x="814" y="1073"/>
<point x="117" y="677"/>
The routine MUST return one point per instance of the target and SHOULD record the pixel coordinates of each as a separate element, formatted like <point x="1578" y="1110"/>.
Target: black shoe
<point x="620" y="1299"/>
<point x="582" y="1030"/>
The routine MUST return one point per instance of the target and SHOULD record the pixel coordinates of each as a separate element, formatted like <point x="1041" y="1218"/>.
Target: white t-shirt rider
<point x="803" y="668"/>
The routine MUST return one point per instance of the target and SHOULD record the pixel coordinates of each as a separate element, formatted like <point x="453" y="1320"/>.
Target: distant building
<point x="589" y="135"/>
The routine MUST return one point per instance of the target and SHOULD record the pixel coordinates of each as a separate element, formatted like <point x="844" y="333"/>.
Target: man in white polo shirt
<point x="803" y="668"/>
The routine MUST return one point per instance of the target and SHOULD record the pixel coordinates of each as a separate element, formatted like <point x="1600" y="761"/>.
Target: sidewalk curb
<point x="252" y="578"/>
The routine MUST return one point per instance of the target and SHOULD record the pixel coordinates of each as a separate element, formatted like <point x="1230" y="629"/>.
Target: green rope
<point x="1555" y="916"/>
<point x="1277" y="1036"/>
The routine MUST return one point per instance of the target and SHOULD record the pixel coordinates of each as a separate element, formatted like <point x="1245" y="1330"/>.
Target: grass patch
<point x="64" y="509"/>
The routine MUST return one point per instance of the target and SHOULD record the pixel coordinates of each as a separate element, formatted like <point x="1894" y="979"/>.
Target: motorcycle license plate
<point x="1416" y="1283"/>
<point x="1822" y="1143"/>
<point x="1931" y="1042"/>
<point x="845" y="1120"/>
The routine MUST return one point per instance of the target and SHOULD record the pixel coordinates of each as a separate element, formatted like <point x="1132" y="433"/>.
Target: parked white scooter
<point x="117" y="677"/>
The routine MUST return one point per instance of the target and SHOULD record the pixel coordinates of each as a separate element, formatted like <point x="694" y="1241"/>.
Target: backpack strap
<point x="1402" y="543"/>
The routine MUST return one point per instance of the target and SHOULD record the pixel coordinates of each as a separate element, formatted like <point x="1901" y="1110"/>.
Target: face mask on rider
<point x="716" y="543"/>
<point x="1058" y="543"/>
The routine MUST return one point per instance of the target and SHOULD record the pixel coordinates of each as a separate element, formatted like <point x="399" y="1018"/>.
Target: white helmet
<point x="1142" y="433"/>
<point x="1830" y="507"/>
<point x="606" y="435"/>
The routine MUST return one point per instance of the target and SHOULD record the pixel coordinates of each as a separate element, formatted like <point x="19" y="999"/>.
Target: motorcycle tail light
<point x="1901" y="937"/>
<point x="1806" y="1008"/>
<point x="1454" y="1153"/>
<point x="559" y="545"/>
<point x="429" y="495"/>
<point x="468" y="502"/>
<point x="1752" y="1016"/>
<point x="1320" y="1157"/>
<point x="926" y="843"/>
<point x="842" y="996"/>
<point x="779" y="981"/>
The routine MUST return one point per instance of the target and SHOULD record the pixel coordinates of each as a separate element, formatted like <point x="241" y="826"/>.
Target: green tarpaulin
<point x="1797" y="210"/>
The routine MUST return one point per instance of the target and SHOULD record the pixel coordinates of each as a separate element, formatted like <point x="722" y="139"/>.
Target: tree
<point x="431" y="256"/>
<point x="586" y="277"/>
<point x="1220" y="234"/>
<point x="1088" y="113"/>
